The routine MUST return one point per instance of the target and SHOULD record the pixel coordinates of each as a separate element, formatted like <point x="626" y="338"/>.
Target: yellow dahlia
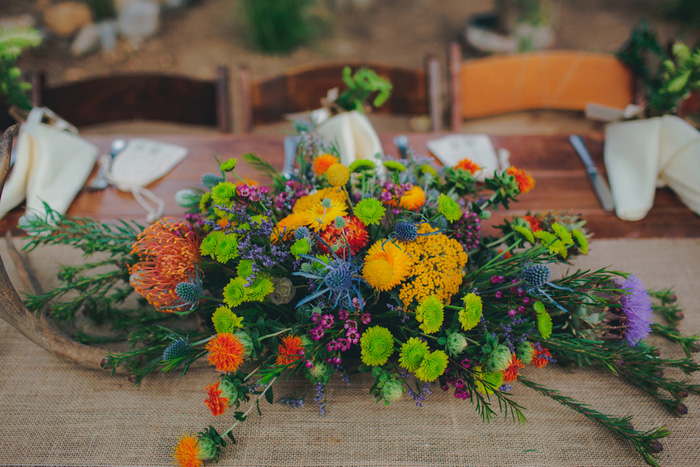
<point x="386" y="265"/>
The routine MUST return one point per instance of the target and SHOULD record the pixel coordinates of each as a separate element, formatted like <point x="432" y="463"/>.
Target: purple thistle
<point x="636" y="308"/>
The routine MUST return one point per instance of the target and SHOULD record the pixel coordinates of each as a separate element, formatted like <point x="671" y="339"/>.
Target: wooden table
<point x="561" y="182"/>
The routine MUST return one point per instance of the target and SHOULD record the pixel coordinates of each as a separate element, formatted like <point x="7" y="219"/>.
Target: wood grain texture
<point x="561" y="182"/>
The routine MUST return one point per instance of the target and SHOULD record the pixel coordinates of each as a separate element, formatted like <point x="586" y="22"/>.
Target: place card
<point x="477" y="148"/>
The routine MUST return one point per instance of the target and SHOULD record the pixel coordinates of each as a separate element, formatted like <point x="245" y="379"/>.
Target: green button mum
<point x="370" y="211"/>
<point x="377" y="344"/>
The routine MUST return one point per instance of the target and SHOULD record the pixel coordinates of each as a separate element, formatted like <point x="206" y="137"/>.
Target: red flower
<point x="288" y="350"/>
<point x="511" y="373"/>
<point x="225" y="352"/>
<point x="542" y="357"/>
<point x="214" y="401"/>
<point x="524" y="179"/>
<point x="534" y="222"/>
<point x="354" y="232"/>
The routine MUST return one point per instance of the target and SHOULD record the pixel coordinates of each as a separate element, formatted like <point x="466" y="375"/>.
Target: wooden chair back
<point x="564" y="80"/>
<point x="300" y="89"/>
<point x="140" y="96"/>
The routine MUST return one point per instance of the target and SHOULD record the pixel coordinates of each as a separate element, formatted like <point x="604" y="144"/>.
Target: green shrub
<point x="279" y="26"/>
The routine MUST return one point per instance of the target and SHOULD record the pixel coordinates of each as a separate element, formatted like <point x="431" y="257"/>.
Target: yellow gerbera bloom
<point x="320" y="217"/>
<point x="336" y="195"/>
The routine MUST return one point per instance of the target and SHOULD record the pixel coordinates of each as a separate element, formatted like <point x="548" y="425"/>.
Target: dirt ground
<point x="195" y="40"/>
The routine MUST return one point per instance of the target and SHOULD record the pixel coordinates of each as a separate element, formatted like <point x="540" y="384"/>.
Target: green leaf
<point x="240" y="416"/>
<point x="230" y="435"/>
<point x="257" y="406"/>
<point x="678" y="83"/>
<point x="268" y="395"/>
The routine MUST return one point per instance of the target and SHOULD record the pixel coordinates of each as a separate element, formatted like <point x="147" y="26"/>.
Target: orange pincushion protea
<point x="188" y="452"/>
<point x="169" y="251"/>
<point x="468" y="165"/>
<point x="225" y="352"/>
<point x="354" y="233"/>
<point x="524" y="179"/>
<point x="288" y="350"/>
<point x="214" y="401"/>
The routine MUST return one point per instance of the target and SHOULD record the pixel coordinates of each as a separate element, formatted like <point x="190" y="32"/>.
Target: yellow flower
<point x="319" y="217"/>
<point x="305" y="203"/>
<point x="386" y="265"/>
<point x="437" y="267"/>
<point x="323" y="162"/>
<point x="338" y="175"/>
<point x="288" y="225"/>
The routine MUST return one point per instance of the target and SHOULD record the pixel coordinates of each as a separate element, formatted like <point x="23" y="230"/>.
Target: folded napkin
<point x="353" y="135"/>
<point x="642" y="155"/>
<point x="51" y="166"/>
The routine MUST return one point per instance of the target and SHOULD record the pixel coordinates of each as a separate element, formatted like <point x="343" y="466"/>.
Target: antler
<point x="14" y="312"/>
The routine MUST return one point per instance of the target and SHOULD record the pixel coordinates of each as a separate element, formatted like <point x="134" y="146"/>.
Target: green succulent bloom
<point x="412" y="353"/>
<point x="430" y="313"/>
<point x="187" y="198"/>
<point x="235" y="292"/>
<point x="228" y="390"/>
<point x="319" y="373"/>
<point x="456" y="343"/>
<point x="433" y="366"/>
<point x="525" y="352"/>
<point x="226" y="320"/>
<point x="395" y="166"/>
<point x="377" y="345"/>
<point x="449" y="208"/>
<point x="499" y="358"/>
<point x="370" y="211"/>
<point x="470" y="315"/>
<point x="392" y="391"/>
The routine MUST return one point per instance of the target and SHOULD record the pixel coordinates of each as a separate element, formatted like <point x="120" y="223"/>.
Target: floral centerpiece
<point x="334" y="270"/>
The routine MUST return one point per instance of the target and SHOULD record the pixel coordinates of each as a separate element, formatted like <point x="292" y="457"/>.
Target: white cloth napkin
<point x="353" y="135"/>
<point x="51" y="166"/>
<point x="642" y="155"/>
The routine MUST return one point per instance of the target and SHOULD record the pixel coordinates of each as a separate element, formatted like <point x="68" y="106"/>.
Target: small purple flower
<point x="343" y="315"/>
<point x="327" y="321"/>
<point x="636" y="308"/>
<point x="365" y="318"/>
<point x="466" y="363"/>
<point x="353" y="336"/>
<point x="350" y="324"/>
<point x="316" y="318"/>
<point x="243" y="190"/>
<point x="317" y="333"/>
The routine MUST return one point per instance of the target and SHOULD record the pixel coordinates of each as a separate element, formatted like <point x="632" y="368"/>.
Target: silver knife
<point x="600" y="186"/>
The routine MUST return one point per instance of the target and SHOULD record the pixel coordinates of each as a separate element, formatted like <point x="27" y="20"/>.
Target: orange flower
<point x="511" y="373"/>
<point x="288" y="350"/>
<point x="214" y="401"/>
<point x="541" y="358"/>
<point x="534" y="222"/>
<point x="525" y="180"/>
<point x="354" y="235"/>
<point x="225" y="352"/>
<point x="468" y="165"/>
<point x="169" y="251"/>
<point x="413" y="199"/>
<point x="323" y="162"/>
<point x="188" y="453"/>
<point x="248" y="181"/>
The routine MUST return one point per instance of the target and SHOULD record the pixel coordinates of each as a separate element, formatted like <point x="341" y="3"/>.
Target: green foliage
<point x="667" y="79"/>
<point x="12" y="42"/>
<point x="279" y="26"/>
<point x="360" y="87"/>
<point x="684" y="11"/>
<point x="102" y="9"/>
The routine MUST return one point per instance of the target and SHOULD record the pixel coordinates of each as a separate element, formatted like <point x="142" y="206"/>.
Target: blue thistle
<point x="179" y="348"/>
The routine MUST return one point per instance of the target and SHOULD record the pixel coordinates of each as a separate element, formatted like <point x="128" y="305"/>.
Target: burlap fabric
<point x="54" y="413"/>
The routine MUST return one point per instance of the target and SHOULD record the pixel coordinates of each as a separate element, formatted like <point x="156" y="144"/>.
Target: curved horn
<point x="12" y="308"/>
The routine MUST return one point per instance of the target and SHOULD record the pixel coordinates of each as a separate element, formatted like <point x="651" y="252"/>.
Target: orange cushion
<point x="543" y="80"/>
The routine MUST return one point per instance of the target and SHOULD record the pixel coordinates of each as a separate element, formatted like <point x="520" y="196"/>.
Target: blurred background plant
<point x="102" y="9"/>
<point x="686" y="12"/>
<point x="668" y="77"/>
<point x="280" y="26"/>
<point x="13" y="41"/>
<point x="360" y="87"/>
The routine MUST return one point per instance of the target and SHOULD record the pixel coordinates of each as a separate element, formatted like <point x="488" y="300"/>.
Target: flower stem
<point x="262" y="394"/>
<point x="274" y="333"/>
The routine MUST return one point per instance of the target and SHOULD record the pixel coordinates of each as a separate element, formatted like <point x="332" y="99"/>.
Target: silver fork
<point x="100" y="181"/>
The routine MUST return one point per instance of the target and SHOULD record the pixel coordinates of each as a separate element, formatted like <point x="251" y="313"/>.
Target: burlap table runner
<point x="54" y="413"/>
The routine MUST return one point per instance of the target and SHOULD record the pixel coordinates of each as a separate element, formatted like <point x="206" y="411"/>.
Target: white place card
<point x="477" y="148"/>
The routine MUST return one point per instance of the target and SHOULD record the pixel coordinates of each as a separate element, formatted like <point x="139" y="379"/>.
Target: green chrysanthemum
<point x="223" y="193"/>
<point x="235" y="292"/>
<point x="361" y="165"/>
<point x="430" y="313"/>
<point x="525" y="352"/>
<point x="228" y="165"/>
<point x="226" y="320"/>
<point x="470" y="315"/>
<point x="433" y="366"/>
<point x="552" y="242"/>
<point x="524" y="232"/>
<point x="245" y="268"/>
<point x="428" y="169"/>
<point x="260" y="289"/>
<point x="449" y="208"/>
<point x="487" y="382"/>
<point x="412" y="353"/>
<point x="204" y="201"/>
<point x="377" y="344"/>
<point x="544" y="321"/>
<point x="580" y="240"/>
<point x="227" y="248"/>
<point x="395" y="166"/>
<point x="210" y="242"/>
<point x="562" y="233"/>
<point x="300" y="247"/>
<point x="370" y="211"/>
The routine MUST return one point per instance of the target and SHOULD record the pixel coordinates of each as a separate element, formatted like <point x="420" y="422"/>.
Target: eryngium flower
<point x="635" y="307"/>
